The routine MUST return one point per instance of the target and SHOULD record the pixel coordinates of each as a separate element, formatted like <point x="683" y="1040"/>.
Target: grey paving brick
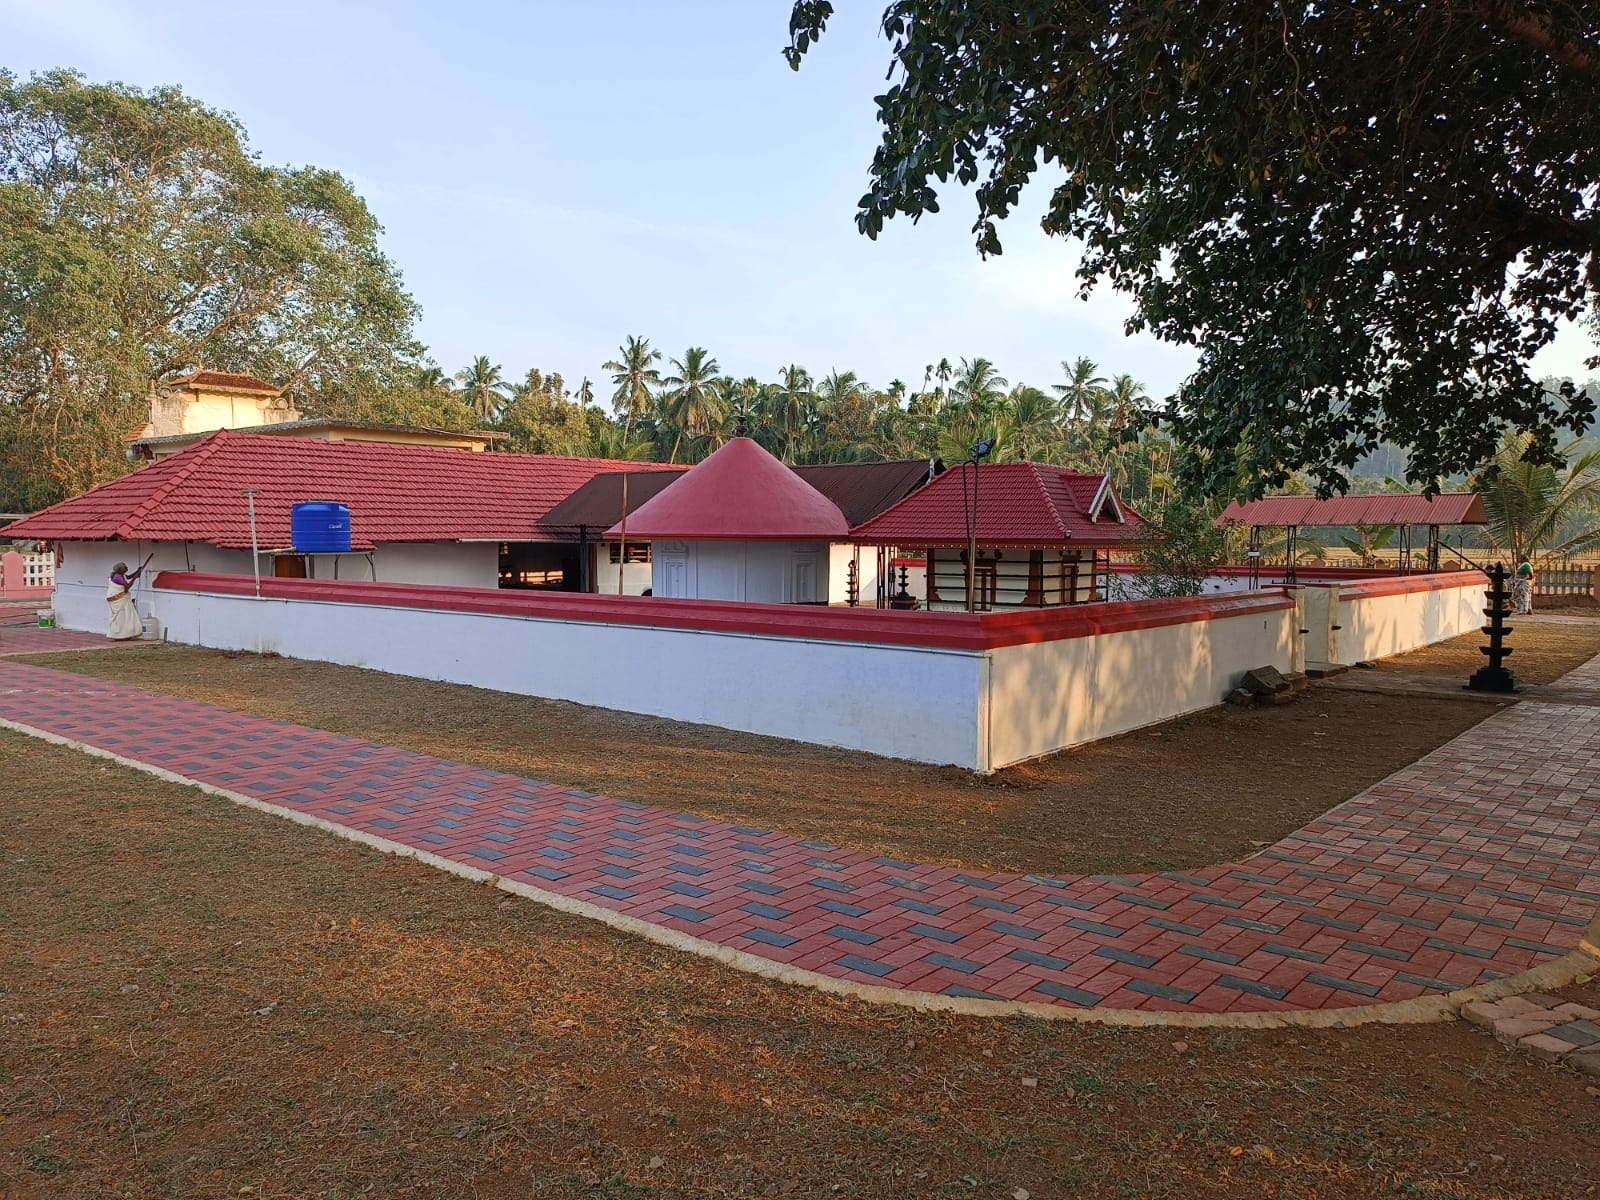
<point x="956" y="989"/>
<point x="1010" y="930"/>
<point x="1258" y="926"/>
<point x="1380" y="951"/>
<point x="1161" y="991"/>
<point x="831" y="885"/>
<point x="965" y="965"/>
<point x="1034" y="958"/>
<point x="759" y="885"/>
<point x="1428" y="981"/>
<point x="1254" y="987"/>
<point x="1143" y="901"/>
<point x="766" y="910"/>
<point x="769" y="937"/>
<point x="1401" y="919"/>
<point x="854" y="962"/>
<point x="1219" y="901"/>
<point x="549" y="873"/>
<point x="994" y="905"/>
<point x="1329" y="922"/>
<point x="617" y="872"/>
<point x="1343" y="985"/>
<point x="1211" y="955"/>
<point x="1174" y="926"/>
<point x="1125" y="956"/>
<point x="1072" y="995"/>
<point x="1095" y="927"/>
<point x="859" y="936"/>
<point x="687" y="889"/>
<point x="938" y="935"/>
<point x="1298" y="952"/>
<point x="931" y="910"/>
<point x="843" y="909"/>
<point x="612" y="893"/>
<point x="987" y="885"/>
<point x="1458" y="948"/>
<point x="684" y="913"/>
<point x="1482" y="919"/>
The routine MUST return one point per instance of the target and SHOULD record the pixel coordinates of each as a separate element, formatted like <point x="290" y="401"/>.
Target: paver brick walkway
<point x="1478" y="861"/>
<point x="30" y="639"/>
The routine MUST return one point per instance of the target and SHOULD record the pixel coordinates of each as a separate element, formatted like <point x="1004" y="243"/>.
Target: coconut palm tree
<point x="693" y="403"/>
<point x="431" y="378"/>
<point x="1032" y="423"/>
<point x="978" y="386"/>
<point x="483" y="387"/>
<point x="1083" y="404"/>
<point x="791" y="408"/>
<point x="1533" y="507"/>
<point x="635" y="379"/>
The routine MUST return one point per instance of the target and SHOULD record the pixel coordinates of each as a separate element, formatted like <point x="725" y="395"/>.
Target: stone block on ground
<point x="1579" y="1033"/>
<point x="1586" y="1061"/>
<point x="1546" y="1048"/>
<point x="1512" y="1030"/>
<point x="1299" y="681"/>
<point x="1264" y="681"/>
<point x="1578" y="1012"/>
<point x="1241" y="697"/>
<point x="1484" y="1013"/>
<point x="1520" y="1006"/>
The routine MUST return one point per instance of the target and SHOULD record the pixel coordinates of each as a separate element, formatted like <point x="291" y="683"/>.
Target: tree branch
<point x="1541" y="34"/>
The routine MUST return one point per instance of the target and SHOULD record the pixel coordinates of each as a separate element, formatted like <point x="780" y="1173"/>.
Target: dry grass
<point x="197" y="1000"/>
<point x="1198" y="790"/>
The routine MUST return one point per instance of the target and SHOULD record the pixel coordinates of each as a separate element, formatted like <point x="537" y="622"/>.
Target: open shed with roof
<point x="1402" y="510"/>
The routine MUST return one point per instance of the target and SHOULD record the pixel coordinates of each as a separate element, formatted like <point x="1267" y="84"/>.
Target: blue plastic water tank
<point x="320" y="527"/>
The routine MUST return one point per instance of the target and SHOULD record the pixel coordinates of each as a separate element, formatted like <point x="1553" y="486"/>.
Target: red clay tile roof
<point x="1019" y="504"/>
<point x="395" y="493"/>
<point x="1384" y="508"/>
<point x="223" y="379"/>
<point x="740" y="492"/>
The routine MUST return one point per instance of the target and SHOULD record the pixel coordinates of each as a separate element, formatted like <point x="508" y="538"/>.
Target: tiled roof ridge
<point x="195" y="456"/>
<point x="1050" y="502"/>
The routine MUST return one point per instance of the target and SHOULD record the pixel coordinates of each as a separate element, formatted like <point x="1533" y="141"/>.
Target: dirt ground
<point x="199" y="1001"/>
<point x="1541" y="653"/>
<point x="1199" y="790"/>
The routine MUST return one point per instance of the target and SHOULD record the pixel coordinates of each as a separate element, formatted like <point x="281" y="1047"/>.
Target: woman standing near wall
<point x="119" y="595"/>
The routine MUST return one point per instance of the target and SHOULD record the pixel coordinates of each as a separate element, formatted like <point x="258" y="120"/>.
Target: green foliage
<point x="140" y="237"/>
<point x="1367" y="216"/>
<point x="1176" y="554"/>
<point x="1534" y="507"/>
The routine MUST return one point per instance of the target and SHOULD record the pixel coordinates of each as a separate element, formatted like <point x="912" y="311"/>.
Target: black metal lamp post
<point x="1494" y="677"/>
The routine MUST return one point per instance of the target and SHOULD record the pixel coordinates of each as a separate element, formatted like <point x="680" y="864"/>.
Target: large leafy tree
<point x="1366" y="215"/>
<point x="140" y="237"/>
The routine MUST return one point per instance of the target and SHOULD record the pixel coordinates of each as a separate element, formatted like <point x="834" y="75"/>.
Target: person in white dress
<point x="119" y="595"/>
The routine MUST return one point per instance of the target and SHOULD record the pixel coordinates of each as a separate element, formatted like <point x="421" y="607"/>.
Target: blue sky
<point x="553" y="175"/>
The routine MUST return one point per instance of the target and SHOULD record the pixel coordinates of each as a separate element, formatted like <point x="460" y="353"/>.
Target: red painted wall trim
<point x="955" y="631"/>
<point x="1399" y="585"/>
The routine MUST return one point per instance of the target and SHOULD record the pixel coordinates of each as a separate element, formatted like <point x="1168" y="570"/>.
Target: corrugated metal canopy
<point x="1384" y="508"/>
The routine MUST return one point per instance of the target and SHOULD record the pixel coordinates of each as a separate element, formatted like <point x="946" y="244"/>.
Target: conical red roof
<point x="741" y="492"/>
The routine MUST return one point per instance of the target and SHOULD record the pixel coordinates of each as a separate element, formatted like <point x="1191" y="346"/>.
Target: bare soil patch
<point x="1542" y="653"/>
<point x="200" y="1001"/>
<point x="1203" y="789"/>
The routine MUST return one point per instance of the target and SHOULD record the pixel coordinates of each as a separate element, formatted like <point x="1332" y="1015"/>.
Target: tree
<point x="636" y="379"/>
<point x="483" y="387"/>
<point x="139" y="238"/>
<point x="1536" y="507"/>
<point x="1176" y="553"/>
<point x="541" y="417"/>
<point x="694" y="403"/>
<point x="790" y="404"/>
<point x="1367" y="216"/>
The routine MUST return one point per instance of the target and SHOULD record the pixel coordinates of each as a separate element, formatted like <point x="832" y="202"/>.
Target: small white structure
<point x="740" y="526"/>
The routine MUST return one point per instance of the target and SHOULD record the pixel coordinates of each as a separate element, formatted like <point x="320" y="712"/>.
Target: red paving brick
<point x="1478" y="861"/>
<point x="30" y="639"/>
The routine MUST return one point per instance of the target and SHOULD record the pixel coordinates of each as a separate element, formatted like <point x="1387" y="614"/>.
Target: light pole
<point x="980" y="451"/>
<point x="250" y="495"/>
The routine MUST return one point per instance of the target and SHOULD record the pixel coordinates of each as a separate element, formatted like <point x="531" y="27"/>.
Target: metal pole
<point x="250" y="495"/>
<point x="622" y="550"/>
<point x="972" y="543"/>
